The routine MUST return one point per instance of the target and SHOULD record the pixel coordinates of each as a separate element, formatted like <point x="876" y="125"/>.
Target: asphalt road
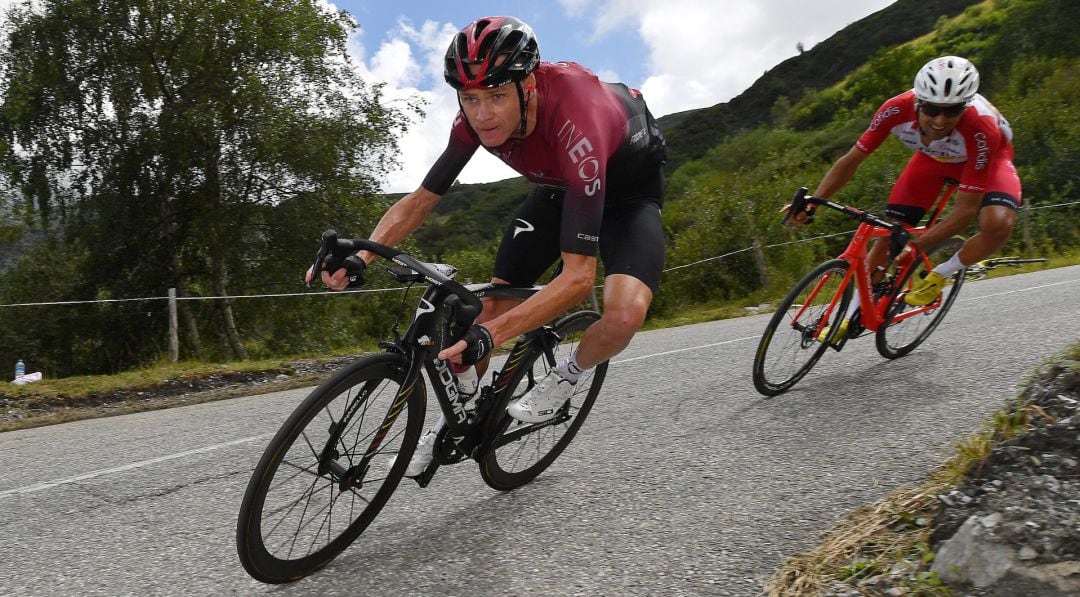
<point x="683" y="481"/>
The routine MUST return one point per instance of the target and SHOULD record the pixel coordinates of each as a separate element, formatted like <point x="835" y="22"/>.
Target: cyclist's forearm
<point x="402" y="219"/>
<point x="565" y="291"/>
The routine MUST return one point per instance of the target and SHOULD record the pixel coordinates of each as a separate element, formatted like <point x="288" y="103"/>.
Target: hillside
<point x="690" y="134"/>
<point x="484" y="208"/>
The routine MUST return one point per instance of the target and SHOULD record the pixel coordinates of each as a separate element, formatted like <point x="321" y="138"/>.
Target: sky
<point x="682" y="54"/>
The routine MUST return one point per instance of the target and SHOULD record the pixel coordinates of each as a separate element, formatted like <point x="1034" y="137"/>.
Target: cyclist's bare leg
<point x="876" y="257"/>
<point x="995" y="226"/>
<point x="626" y="301"/>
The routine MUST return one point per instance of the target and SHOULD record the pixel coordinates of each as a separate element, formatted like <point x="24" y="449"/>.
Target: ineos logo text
<point x="579" y="149"/>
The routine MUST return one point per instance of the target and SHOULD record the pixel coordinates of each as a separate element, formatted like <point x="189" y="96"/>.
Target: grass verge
<point x="892" y="535"/>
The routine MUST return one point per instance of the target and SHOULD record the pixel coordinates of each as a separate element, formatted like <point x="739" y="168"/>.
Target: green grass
<point x="140" y="379"/>
<point x="163" y="371"/>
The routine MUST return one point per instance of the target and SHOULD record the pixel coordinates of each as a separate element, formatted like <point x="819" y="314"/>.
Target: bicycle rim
<point x="789" y="347"/>
<point x="300" y="510"/>
<point x="522" y="451"/>
<point x="905" y="327"/>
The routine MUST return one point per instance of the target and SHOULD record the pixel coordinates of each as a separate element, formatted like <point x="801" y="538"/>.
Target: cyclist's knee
<point x="623" y="321"/>
<point x="997" y="222"/>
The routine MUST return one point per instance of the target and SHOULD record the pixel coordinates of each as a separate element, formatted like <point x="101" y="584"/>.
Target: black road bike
<point x="335" y="462"/>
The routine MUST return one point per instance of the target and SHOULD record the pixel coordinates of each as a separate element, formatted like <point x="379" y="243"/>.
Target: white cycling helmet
<point x="947" y="80"/>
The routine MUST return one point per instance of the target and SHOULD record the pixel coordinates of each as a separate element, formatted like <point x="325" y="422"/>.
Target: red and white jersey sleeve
<point x="981" y="136"/>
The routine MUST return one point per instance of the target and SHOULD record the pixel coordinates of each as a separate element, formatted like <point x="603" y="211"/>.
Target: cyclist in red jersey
<point x="595" y="154"/>
<point x="957" y="135"/>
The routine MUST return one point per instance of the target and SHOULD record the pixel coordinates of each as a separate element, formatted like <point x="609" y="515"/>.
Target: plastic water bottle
<point x="20" y="369"/>
<point x="467" y="381"/>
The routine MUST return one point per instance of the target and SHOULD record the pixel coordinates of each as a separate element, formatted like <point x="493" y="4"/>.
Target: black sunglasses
<point x="949" y="111"/>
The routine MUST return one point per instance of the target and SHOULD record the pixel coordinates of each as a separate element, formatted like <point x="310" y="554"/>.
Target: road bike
<point x="981" y="269"/>
<point x="335" y="462"/>
<point x="807" y="322"/>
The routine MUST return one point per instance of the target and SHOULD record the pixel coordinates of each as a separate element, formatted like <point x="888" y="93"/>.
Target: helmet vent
<point x="479" y="29"/>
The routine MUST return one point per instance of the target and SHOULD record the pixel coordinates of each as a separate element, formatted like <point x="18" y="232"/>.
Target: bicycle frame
<point x="872" y="310"/>
<point x="419" y="345"/>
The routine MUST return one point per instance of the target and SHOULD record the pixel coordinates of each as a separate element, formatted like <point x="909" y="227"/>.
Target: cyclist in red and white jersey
<point x="595" y="154"/>
<point x="957" y="135"/>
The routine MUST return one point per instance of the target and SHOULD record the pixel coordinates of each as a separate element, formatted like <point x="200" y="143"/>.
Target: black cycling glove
<point x="354" y="267"/>
<point x="478" y="344"/>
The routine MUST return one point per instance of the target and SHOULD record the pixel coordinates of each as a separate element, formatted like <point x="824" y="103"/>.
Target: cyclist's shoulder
<point x="567" y="82"/>
<point x="894" y="111"/>
<point x="564" y="72"/>
<point x="904" y="100"/>
<point x="982" y="117"/>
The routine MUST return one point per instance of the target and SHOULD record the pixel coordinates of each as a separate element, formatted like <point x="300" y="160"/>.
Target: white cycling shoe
<point x="422" y="456"/>
<point x="543" y="401"/>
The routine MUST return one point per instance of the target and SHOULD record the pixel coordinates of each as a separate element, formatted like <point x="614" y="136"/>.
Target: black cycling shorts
<point x="912" y="214"/>
<point x="631" y="239"/>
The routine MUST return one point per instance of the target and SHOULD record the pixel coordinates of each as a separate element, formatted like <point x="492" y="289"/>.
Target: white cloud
<point x="699" y="54"/>
<point x="703" y="53"/>
<point x="406" y="75"/>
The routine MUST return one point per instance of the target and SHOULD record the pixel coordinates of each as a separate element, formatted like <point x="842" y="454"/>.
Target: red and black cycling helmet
<point x="481" y="43"/>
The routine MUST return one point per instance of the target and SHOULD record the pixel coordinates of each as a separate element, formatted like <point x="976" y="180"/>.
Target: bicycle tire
<point x="511" y="463"/>
<point x="789" y="347"/>
<point x="894" y="338"/>
<point x="283" y="537"/>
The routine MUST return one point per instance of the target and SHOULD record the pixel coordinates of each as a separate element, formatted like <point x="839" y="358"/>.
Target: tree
<point x="161" y="137"/>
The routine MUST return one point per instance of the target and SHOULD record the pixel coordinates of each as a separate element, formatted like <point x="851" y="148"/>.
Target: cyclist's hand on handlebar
<point x="806" y="216"/>
<point x="339" y="273"/>
<point x="473" y="348"/>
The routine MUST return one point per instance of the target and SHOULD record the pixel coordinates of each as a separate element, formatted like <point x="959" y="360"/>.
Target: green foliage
<point x="215" y="144"/>
<point x="726" y="200"/>
<point x="197" y="145"/>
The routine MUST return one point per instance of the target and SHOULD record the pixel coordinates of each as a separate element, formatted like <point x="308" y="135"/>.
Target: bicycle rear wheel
<point x="329" y="470"/>
<point x="522" y="451"/>
<point x="905" y="327"/>
<point x="789" y="347"/>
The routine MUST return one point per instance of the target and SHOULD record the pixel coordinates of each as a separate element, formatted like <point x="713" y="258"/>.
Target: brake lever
<point x="329" y="239"/>
<point x="798" y="204"/>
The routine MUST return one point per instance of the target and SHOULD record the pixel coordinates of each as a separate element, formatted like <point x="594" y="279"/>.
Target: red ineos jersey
<point x="585" y="129"/>
<point x="981" y="136"/>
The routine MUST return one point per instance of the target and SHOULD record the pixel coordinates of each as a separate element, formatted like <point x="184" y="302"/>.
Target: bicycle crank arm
<point x="517" y="434"/>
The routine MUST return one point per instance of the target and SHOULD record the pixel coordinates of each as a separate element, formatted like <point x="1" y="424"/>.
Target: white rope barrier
<point x="398" y="289"/>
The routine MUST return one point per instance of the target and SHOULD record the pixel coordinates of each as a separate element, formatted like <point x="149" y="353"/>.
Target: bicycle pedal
<point x="424" y="478"/>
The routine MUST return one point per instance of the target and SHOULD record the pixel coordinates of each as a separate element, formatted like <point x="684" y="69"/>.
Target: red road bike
<point x="807" y="322"/>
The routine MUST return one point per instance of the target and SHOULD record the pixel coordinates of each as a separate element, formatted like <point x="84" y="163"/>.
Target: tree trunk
<point x="194" y="341"/>
<point x="232" y="336"/>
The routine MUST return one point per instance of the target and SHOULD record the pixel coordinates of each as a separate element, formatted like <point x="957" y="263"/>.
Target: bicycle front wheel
<point x="789" y="348"/>
<point x="906" y="327"/>
<point x="330" y="469"/>
<point x="521" y="451"/>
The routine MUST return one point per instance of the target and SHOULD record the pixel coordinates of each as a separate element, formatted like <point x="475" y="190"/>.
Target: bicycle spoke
<point x="523" y="450"/>
<point x="905" y="326"/>
<point x="293" y="519"/>
<point x="790" y="347"/>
